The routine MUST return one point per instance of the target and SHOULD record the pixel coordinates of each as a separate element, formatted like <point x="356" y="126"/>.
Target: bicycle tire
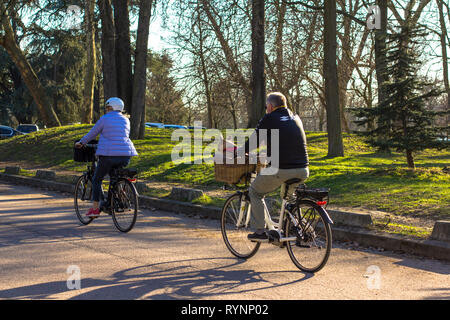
<point x="315" y="239"/>
<point x="124" y="205"/>
<point x="84" y="203"/>
<point x="235" y="237"/>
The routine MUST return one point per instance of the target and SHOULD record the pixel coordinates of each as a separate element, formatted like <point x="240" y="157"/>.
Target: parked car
<point x="174" y="126"/>
<point x="8" y="132"/>
<point x="27" y="128"/>
<point x="154" y="125"/>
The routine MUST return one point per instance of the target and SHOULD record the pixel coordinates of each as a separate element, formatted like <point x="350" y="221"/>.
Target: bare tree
<point x="89" y="79"/>
<point x="349" y="59"/>
<point x="203" y="71"/>
<point x="140" y="71"/>
<point x="123" y="52"/>
<point x="234" y="69"/>
<point x="335" y="143"/>
<point x="108" y="49"/>
<point x="258" y="77"/>
<point x="443" y="38"/>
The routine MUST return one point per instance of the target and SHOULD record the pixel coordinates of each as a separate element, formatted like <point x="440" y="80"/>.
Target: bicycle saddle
<point x="126" y="172"/>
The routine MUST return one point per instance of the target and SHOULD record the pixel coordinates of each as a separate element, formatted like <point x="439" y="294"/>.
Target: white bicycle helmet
<point x="115" y="103"/>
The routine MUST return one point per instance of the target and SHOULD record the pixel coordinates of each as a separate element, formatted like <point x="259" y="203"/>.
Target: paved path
<point x="170" y="256"/>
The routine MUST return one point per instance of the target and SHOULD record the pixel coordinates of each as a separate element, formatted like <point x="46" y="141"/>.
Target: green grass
<point x="362" y="178"/>
<point x="401" y="229"/>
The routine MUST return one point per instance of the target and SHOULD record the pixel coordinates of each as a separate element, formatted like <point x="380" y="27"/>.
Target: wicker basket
<point x="235" y="173"/>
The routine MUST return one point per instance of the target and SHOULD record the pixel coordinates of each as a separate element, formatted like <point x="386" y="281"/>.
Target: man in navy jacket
<point x="291" y="154"/>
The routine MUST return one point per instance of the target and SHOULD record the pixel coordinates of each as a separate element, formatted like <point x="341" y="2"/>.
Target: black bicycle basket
<point x="85" y="153"/>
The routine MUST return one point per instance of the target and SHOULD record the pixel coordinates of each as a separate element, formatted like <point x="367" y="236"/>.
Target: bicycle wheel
<point x="235" y="227"/>
<point x="82" y="199"/>
<point x="124" y="205"/>
<point x="312" y="247"/>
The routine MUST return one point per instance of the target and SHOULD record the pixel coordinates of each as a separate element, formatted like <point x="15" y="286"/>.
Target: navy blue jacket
<point x="292" y="138"/>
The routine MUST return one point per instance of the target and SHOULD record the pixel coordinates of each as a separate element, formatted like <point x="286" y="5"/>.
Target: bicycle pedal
<point x="260" y="240"/>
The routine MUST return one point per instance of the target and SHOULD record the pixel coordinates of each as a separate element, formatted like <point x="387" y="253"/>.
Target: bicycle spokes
<point x="82" y="199"/>
<point x="312" y="245"/>
<point x="234" y="225"/>
<point x="124" y="205"/>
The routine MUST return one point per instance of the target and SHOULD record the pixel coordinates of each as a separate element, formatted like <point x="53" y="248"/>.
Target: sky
<point x="158" y="33"/>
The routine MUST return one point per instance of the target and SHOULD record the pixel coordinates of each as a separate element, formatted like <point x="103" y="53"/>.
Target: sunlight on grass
<point x="361" y="178"/>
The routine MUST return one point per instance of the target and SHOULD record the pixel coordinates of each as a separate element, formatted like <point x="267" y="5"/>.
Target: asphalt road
<point x="46" y="254"/>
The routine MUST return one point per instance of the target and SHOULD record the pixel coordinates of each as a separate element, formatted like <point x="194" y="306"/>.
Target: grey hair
<point x="276" y="99"/>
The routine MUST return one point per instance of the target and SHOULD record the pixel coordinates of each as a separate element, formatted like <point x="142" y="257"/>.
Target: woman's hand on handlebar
<point x="78" y="145"/>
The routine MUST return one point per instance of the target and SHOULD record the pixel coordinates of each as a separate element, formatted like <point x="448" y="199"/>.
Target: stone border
<point x="426" y="248"/>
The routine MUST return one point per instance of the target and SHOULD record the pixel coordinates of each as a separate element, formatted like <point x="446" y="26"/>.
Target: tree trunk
<point x="89" y="79"/>
<point x="235" y="72"/>
<point x="380" y="57"/>
<point x="96" y="102"/>
<point x="232" y="107"/>
<point x="37" y="91"/>
<point x="380" y="50"/>
<point x="140" y="71"/>
<point x="108" y="50"/>
<point x="281" y="13"/>
<point x="342" y="104"/>
<point x="123" y="53"/>
<point x="410" y="159"/>
<point x="444" y="53"/>
<point x="258" y="76"/>
<point x="335" y="144"/>
<point x="204" y="74"/>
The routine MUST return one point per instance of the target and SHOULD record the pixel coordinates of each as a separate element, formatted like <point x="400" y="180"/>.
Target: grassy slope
<point x="361" y="178"/>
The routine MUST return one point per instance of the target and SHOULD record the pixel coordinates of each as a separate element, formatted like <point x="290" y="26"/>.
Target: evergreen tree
<point x="404" y="121"/>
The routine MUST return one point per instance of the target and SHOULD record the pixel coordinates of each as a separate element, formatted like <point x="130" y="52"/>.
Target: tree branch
<point x="344" y="13"/>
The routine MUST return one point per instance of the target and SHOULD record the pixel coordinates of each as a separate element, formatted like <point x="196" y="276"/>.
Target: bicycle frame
<point x="90" y="176"/>
<point x="270" y="224"/>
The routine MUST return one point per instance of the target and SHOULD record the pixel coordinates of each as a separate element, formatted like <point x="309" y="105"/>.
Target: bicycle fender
<point x="325" y="214"/>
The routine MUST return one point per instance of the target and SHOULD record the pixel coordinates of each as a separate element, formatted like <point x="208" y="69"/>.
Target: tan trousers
<point x="264" y="184"/>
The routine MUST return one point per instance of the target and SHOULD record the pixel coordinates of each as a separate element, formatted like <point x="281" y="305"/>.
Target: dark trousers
<point x="104" y="167"/>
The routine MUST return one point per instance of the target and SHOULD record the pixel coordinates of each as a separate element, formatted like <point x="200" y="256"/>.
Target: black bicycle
<point x="121" y="201"/>
<point x="303" y="226"/>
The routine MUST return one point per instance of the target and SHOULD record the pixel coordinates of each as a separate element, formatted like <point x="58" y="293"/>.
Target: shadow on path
<point x="165" y="280"/>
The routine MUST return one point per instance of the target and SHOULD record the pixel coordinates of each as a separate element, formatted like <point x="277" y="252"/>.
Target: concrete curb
<point x="441" y="230"/>
<point x="39" y="183"/>
<point x="350" y="218"/>
<point x="426" y="248"/>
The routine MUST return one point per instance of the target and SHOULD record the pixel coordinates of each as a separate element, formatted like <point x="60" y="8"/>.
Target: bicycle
<point x="303" y="226"/>
<point x="122" y="198"/>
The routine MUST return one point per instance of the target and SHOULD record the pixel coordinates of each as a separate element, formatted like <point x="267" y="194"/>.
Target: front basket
<point x="84" y="154"/>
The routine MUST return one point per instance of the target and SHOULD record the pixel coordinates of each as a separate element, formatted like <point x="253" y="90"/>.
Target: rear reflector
<point x="321" y="203"/>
